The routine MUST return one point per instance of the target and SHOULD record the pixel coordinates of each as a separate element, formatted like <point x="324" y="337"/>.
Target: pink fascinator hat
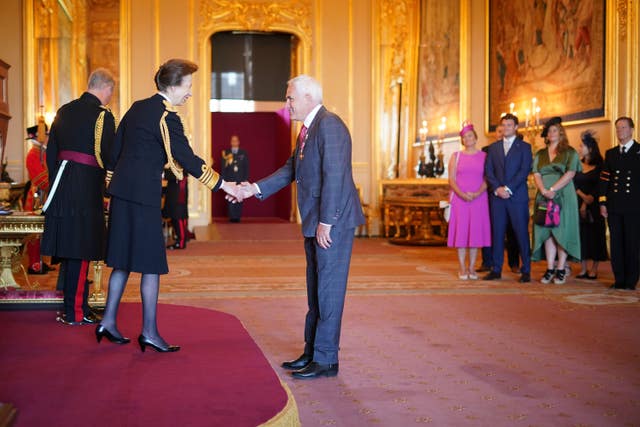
<point x="466" y="127"/>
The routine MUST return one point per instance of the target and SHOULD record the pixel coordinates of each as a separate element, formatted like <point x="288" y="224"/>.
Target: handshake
<point x="236" y="193"/>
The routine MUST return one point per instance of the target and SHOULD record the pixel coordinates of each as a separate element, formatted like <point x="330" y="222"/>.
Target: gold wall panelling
<point x="623" y="9"/>
<point x="291" y="16"/>
<point x="397" y="23"/>
<point x="64" y="41"/>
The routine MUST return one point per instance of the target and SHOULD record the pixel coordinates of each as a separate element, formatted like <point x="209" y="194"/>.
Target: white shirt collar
<point x="627" y="145"/>
<point x="312" y="115"/>
<point x="37" y="143"/>
<point x="510" y="139"/>
<point x="165" y="97"/>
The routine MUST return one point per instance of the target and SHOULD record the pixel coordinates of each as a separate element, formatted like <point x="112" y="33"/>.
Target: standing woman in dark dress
<point x="150" y="136"/>
<point x="592" y="225"/>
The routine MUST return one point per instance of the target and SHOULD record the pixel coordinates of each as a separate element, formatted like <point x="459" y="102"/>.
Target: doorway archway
<point x="272" y="17"/>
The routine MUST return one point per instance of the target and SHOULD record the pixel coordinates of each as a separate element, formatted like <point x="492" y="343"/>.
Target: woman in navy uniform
<point x="150" y="136"/>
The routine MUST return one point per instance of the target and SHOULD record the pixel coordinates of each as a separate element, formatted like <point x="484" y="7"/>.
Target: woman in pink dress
<point x="469" y="225"/>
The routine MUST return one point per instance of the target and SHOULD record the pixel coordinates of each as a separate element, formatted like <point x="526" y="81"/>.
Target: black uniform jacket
<point x="619" y="186"/>
<point x="74" y="220"/>
<point x="237" y="170"/>
<point x="139" y="156"/>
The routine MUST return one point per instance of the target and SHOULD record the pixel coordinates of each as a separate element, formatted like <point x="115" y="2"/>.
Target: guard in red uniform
<point x="36" y="163"/>
<point x="176" y="207"/>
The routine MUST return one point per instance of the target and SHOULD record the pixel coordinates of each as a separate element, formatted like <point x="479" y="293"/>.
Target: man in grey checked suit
<point x="330" y="211"/>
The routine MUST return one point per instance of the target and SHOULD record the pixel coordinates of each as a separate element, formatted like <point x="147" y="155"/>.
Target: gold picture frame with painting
<point x="439" y="70"/>
<point x="555" y="52"/>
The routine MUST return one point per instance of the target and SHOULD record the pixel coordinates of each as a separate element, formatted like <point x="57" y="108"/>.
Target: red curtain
<point x="266" y="137"/>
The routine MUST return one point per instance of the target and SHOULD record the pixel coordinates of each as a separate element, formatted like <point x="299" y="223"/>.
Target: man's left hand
<point x="323" y="235"/>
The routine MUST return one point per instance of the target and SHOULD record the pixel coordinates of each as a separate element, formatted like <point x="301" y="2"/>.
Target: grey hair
<point x="101" y="77"/>
<point x="307" y="85"/>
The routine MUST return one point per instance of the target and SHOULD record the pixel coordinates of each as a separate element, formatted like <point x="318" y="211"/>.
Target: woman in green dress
<point x="553" y="170"/>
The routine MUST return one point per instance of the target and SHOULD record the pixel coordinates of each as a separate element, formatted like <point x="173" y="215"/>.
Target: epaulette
<point x="228" y="157"/>
<point x="602" y="199"/>
<point x="166" y="139"/>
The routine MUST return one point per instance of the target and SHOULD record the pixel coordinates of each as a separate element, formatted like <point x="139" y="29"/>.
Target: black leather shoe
<point x="91" y="318"/>
<point x="492" y="276"/>
<point x="176" y="246"/>
<point x="144" y="342"/>
<point x="63" y="319"/>
<point x="616" y="286"/>
<point x="101" y="331"/>
<point x="300" y="363"/>
<point x="316" y="370"/>
<point x="47" y="268"/>
<point x="32" y="271"/>
<point x="525" y="278"/>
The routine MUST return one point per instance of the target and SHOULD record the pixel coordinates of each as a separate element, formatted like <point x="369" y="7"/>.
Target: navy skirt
<point x="135" y="241"/>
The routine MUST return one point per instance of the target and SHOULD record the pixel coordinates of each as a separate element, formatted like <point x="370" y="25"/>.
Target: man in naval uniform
<point x="619" y="190"/>
<point x="74" y="230"/>
<point x="235" y="168"/>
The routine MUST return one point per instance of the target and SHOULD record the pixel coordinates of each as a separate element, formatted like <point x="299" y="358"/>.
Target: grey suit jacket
<point x="324" y="178"/>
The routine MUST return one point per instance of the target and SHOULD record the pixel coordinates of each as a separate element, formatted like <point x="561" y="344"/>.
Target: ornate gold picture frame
<point x="547" y="59"/>
<point x="439" y="72"/>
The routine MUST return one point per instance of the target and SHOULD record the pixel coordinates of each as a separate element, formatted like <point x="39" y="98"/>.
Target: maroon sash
<point x="78" y="157"/>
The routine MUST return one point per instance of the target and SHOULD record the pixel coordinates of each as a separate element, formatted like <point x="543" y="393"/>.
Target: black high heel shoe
<point x="144" y="342"/>
<point x="101" y="331"/>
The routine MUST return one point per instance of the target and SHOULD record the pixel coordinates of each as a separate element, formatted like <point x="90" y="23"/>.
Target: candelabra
<point x="423" y="170"/>
<point x="439" y="164"/>
<point x="435" y="166"/>
<point x="532" y="127"/>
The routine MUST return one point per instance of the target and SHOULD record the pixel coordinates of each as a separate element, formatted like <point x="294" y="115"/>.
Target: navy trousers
<point x="327" y="274"/>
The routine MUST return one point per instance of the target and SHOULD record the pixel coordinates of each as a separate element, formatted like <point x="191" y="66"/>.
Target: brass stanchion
<point x="97" y="297"/>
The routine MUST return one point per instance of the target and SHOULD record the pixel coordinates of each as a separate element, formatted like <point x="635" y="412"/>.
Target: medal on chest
<point x="302" y="144"/>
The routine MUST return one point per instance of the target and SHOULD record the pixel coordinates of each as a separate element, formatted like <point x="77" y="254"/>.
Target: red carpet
<point x="58" y="375"/>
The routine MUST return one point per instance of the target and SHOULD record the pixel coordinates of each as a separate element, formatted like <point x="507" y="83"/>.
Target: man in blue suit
<point x="507" y="167"/>
<point x="330" y="211"/>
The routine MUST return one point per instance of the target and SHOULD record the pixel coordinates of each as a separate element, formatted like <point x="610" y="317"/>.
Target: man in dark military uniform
<point x="74" y="231"/>
<point x="235" y="168"/>
<point x="619" y="191"/>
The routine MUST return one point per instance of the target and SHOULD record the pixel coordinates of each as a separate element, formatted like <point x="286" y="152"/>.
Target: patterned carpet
<point x="418" y="345"/>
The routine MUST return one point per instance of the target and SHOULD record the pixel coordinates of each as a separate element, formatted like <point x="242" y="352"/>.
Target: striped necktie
<point x="302" y="138"/>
